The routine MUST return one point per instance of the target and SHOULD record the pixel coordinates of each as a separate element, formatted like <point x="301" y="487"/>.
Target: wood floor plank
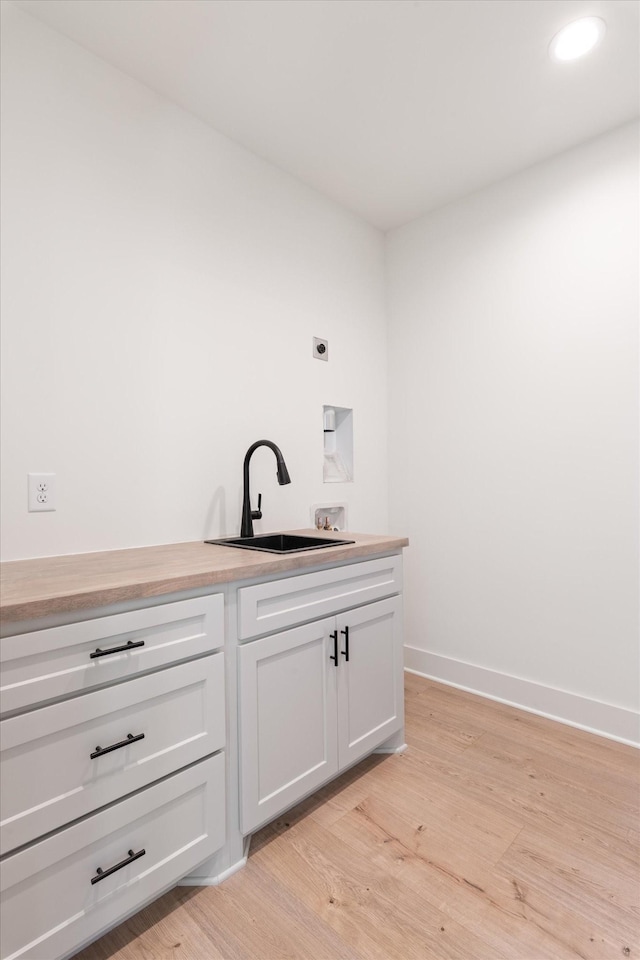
<point x="570" y="742"/>
<point x="600" y="883"/>
<point x="265" y="918"/>
<point x="498" y="834"/>
<point x="571" y="894"/>
<point x="491" y="909"/>
<point x="496" y="780"/>
<point x="360" y="896"/>
<point x="456" y="838"/>
<point x="594" y="798"/>
<point x="165" y="930"/>
<point x="340" y="899"/>
<point x="454" y="734"/>
<point x="540" y="763"/>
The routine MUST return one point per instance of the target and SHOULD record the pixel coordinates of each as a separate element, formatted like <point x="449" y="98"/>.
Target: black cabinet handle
<point x="129" y="645"/>
<point x="101" y="874"/>
<point x="345" y="652"/>
<point x="334" y="656"/>
<point x="100" y="751"/>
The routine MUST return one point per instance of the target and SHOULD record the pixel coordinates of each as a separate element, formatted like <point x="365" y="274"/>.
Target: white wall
<point x="514" y="435"/>
<point x="160" y="290"/>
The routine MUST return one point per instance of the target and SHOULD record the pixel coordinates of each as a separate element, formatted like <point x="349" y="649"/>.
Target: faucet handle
<point x="257" y="514"/>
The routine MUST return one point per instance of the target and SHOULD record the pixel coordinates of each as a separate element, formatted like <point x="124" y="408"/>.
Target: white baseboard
<point x="604" y="719"/>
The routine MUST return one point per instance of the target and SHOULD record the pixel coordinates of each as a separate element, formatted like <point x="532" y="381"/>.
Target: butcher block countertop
<point x="35" y="588"/>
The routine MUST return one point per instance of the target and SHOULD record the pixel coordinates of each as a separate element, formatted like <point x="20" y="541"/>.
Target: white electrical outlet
<point x="42" y="491"/>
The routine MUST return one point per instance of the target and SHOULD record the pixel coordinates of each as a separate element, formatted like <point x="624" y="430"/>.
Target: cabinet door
<point x="370" y="681"/>
<point x="287" y="693"/>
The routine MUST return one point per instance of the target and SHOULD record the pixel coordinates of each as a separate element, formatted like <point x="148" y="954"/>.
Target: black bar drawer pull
<point x="334" y="656"/>
<point x="129" y="645"/>
<point x="345" y="652"/>
<point x="100" y="751"/>
<point x="101" y="874"/>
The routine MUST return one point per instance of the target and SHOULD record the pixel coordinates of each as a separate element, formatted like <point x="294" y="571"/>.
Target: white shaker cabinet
<point x="141" y="743"/>
<point x="317" y="698"/>
<point x="112" y="768"/>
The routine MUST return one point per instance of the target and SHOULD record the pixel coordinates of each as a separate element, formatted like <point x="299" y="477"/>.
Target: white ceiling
<point x="390" y="107"/>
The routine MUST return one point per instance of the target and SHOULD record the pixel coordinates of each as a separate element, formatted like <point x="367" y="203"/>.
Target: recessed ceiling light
<point x="577" y="38"/>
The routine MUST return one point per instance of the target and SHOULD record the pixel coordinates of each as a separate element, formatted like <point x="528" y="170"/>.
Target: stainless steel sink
<point x="280" y="542"/>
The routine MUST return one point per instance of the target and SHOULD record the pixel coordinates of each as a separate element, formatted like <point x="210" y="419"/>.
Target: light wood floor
<point x="498" y="834"/>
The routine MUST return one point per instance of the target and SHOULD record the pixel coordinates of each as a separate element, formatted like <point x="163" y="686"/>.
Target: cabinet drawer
<point x="48" y="774"/>
<point x="47" y="664"/>
<point x="50" y="908"/>
<point x="267" y="607"/>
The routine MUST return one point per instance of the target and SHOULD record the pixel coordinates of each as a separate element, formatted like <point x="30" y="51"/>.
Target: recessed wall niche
<point x="337" y="425"/>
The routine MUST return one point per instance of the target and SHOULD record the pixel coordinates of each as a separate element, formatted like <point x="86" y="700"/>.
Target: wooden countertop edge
<point x="253" y="564"/>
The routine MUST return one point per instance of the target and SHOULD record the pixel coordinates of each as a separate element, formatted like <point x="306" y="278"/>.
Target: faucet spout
<point x="249" y="515"/>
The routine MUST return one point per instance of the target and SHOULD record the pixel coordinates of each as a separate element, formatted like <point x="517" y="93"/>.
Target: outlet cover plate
<point x="320" y="349"/>
<point x="41" y="492"/>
